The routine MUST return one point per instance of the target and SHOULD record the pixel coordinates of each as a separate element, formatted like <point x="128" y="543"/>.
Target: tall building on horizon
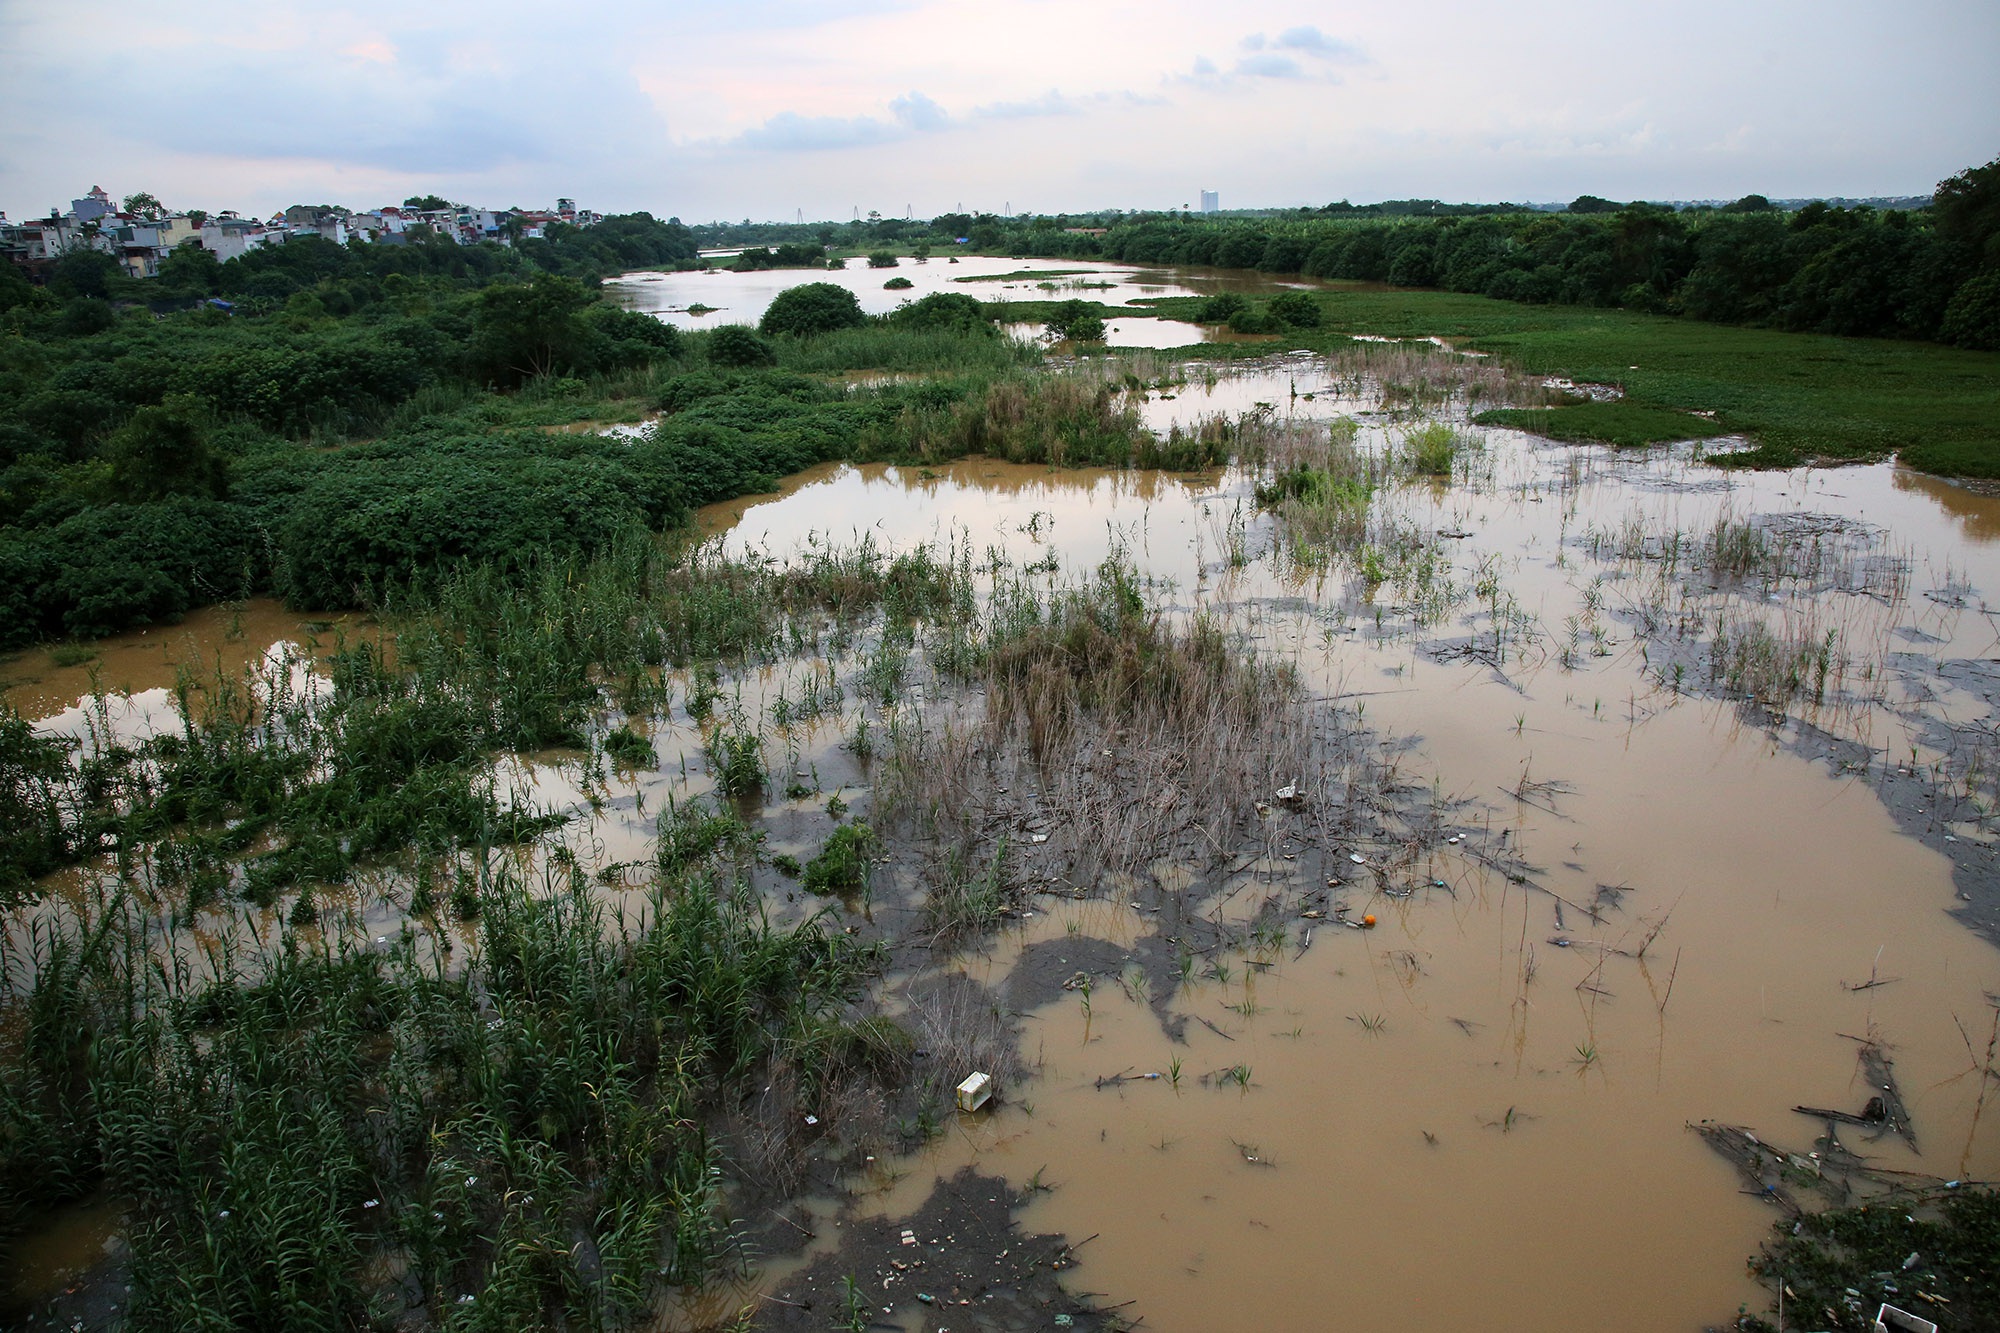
<point x="1211" y="202"/>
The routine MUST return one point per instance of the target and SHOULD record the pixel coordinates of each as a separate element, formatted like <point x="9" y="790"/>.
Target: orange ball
<point x="1368" y="922"/>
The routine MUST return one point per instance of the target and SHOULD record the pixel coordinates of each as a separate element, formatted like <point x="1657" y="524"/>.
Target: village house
<point x="140" y="244"/>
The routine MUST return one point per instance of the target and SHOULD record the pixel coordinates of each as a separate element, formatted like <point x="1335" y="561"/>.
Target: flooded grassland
<point x="1363" y="864"/>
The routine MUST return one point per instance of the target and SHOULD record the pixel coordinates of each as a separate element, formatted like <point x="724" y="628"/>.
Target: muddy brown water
<point x="1475" y="1114"/>
<point x="1556" y="1082"/>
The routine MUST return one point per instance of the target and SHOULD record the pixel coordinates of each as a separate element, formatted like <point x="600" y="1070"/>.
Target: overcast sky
<point x="762" y="107"/>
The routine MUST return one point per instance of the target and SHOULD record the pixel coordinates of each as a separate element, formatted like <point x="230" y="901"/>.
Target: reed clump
<point x="1143" y="735"/>
<point x="527" y="1140"/>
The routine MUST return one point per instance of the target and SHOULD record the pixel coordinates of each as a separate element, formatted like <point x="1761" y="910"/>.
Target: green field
<point x="1802" y="397"/>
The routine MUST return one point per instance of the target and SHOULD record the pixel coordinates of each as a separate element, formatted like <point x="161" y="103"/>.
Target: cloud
<point x="1268" y="66"/>
<point x="1054" y="102"/>
<point x="788" y="131"/>
<point x="1050" y="103"/>
<point x="397" y="95"/>
<point x="1269" y="57"/>
<point x="919" y="113"/>
<point x="1314" y="42"/>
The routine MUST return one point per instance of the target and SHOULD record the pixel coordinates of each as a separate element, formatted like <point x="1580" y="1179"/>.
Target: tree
<point x="1750" y="203"/>
<point x="84" y="270"/>
<point x="1590" y="203"/>
<point x="525" y="330"/>
<point x="1075" y="321"/>
<point x="144" y="205"/>
<point x="191" y="270"/>
<point x="164" y="450"/>
<point x="881" y="259"/>
<point x="816" y="307"/>
<point x="425" y="203"/>
<point x="1973" y="317"/>
<point x="1967" y="207"/>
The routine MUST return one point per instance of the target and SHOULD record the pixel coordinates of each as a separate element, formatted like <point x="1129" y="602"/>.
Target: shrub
<point x="816" y="307"/>
<point x="1297" y="309"/>
<point x="881" y="259"/>
<point x="1085" y="329"/>
<point x="943" y="310"/>
<point x="655" y="336"/>
<point x="1221" y="309"/>
<point x="898" y="285"/>
<point x="739" y="345"/>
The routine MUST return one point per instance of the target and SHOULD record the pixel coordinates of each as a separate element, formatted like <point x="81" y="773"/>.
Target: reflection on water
<point x="1978" y="511"/>
<point x="44" y="682"/>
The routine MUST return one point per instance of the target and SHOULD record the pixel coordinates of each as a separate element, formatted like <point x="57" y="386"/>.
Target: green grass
<point x="1624" y="424"/>
<point x="884" y="347"/>
<point x="1800" y="396"/>
<point x="842" y="865"/>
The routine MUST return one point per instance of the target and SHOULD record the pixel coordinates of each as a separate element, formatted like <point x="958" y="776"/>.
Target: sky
<point x="767" y="109"/>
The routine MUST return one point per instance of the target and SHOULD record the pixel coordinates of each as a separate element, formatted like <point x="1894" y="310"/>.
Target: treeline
<point x="1931" y="274"/>
<point x="276" y="272"/>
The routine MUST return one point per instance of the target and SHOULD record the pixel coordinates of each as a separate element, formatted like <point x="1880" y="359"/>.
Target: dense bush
<point x="737" y="345"/>
<point x="113" y="566"/>
<point x="816" y="307"/>
<point x="1297" y="309"/>
<point x="943" y="310"/>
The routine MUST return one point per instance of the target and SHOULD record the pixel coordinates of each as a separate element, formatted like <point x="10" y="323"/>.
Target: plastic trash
<point x="975" y="1092"/>
<point x="1889" y="1319"/>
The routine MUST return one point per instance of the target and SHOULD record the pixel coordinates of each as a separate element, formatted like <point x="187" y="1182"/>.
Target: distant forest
<point x="1931" y="273"/>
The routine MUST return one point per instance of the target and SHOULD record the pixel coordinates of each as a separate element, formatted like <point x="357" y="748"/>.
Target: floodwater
<point x="1476" y="1114"/>
<point x="742" y="298"/>
<point x="1473" y="1115"/>
<point x="137" y="671"/>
